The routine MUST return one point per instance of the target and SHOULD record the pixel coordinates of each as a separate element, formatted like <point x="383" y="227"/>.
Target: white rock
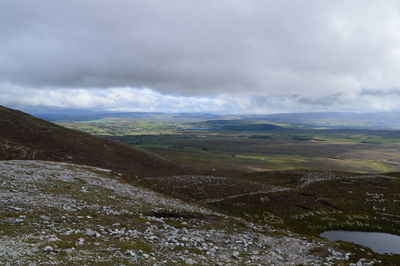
<point x="130" y="253"/>
<point x="48" y="249"/>
<point x="69" y="232"/>
<point x="235" y="254"/>
<point x="44" y="217"/>
<point x="90" y="232"/>
<point x="80" y="241"/>
<point x="190" y="261"/>
<point x="70" y="250"/>
<point x="16" y="208"/>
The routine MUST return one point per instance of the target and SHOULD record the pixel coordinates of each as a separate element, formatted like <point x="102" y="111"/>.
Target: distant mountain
<point x="382" y="120"/>
<point x="74" y="116"/>
<point x="24" y="137"/>
<point x="378" y="120"/>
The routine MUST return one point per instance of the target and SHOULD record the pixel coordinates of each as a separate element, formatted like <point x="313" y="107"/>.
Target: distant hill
<point x="239" y="125"/>
<point x="24" y="137"/>
<point x="84" y="115"/>
<point x="380" y="120"/>
<point x="377" y="120"/>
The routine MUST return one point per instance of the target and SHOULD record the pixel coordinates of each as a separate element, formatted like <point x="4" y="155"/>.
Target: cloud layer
<point x="260" y="55"/>
<point x="147" y="100"/>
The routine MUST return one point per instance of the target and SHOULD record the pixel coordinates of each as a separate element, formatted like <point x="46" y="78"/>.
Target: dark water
<point x="379" y="242"/>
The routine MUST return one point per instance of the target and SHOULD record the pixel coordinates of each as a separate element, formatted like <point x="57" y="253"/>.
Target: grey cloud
<point x="295" y="102"/>
<point x="324" y="102"/>
<point x="313" y="49"/>
<point x="375" y="92"/>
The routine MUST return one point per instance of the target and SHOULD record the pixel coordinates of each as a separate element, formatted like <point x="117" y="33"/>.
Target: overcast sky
<point x="229" y="56"/>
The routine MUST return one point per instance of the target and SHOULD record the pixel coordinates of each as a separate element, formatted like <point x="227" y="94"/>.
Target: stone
<point x="130" y="253"/>
<point x="90" y="232"/>
<point x="190" y="261"/>
<point x="48" y="249"/>
<point x="80" y="241"/>
<point x="45" y="217"/>
<point x="235" y="255"/>
<point x="69" y="232"/>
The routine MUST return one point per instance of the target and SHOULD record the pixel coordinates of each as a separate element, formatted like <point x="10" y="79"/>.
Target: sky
<point x="217" y="56"/>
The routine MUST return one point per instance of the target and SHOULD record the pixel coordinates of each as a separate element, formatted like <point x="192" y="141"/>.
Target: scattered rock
<point x="175" y="239"/>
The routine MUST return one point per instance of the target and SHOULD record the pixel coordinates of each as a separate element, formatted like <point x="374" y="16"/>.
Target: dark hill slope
<point x="24" y="137"/>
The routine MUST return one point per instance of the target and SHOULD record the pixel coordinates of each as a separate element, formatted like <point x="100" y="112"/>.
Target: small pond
<point x="379" y="242"/>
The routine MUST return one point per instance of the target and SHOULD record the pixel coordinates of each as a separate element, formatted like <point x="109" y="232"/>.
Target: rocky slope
<point x="60" y="213"/>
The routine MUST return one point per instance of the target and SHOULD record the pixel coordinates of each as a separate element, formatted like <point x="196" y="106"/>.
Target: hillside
<point x="68" y="197"/>
<point x="24" y="137"/>
<point x="305" y="201"/>
<point x="54" y="213"/>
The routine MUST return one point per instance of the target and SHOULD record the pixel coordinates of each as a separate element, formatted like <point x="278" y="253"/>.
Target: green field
<point x="230" y="146"/>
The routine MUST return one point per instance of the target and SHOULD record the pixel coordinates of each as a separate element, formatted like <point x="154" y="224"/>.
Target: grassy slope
<point x="25" y="137"/>
<point x="336" y="200"/>
<point x="307" y="202"/>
